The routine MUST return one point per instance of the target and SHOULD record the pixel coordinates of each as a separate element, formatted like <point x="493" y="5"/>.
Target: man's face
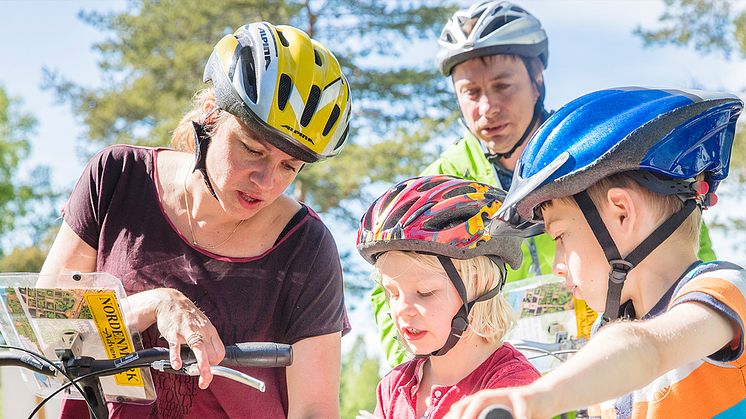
<point x="497" y="99"/>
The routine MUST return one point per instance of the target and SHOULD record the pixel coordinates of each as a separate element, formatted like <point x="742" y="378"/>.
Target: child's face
<point x="579" y="258"/>
<point x="422" y="301"/>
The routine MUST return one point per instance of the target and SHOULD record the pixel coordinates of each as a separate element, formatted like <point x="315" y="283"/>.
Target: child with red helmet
<point x="442" y="273"/>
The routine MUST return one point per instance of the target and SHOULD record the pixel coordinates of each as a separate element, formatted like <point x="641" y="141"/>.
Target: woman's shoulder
<point x="120" y="157"/>
<point x="116" y="162"/>
<point x="301" y="219"/>
<point x="122" y="151"/>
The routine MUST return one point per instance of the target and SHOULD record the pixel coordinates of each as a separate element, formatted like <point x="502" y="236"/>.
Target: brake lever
<point x="193" y="370"/>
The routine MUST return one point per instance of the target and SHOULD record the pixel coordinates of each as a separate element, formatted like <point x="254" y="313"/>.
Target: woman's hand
<point x="181" y="322"/>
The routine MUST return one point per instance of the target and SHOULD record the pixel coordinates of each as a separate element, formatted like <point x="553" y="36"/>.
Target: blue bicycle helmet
<point x="665" y="138"/>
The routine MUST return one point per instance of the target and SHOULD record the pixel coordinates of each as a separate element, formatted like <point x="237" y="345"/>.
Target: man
<point x="495" y="53"/>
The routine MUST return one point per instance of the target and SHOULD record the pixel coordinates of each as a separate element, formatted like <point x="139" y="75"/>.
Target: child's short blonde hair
<point x="491" y="319"/>
<point x="663" y="205"/>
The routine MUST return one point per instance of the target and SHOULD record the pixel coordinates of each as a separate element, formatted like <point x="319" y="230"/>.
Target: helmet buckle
<point x="708" y="200"/>
<point x="619" y="270"/>
<point x="700" y="187"/>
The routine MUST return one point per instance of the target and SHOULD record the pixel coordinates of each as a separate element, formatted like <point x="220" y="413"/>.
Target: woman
<point x="206" y="244"/>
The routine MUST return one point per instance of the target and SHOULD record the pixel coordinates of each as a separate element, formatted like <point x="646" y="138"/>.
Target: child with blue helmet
<point x="619" y="178"/>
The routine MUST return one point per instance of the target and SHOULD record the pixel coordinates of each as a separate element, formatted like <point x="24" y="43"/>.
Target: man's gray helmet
<point x="501" y="28"/>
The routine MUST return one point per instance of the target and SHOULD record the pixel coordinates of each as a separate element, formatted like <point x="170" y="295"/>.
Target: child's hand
<point x="470" y="407"/>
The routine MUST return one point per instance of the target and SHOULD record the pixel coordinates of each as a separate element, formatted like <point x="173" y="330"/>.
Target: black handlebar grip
<point x="258" y="354"/>
<point x="29" y="362"/>
<point x="495" y="411"/>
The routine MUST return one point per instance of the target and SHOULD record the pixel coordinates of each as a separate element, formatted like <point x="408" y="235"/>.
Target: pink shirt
<point x="397" y="391"/>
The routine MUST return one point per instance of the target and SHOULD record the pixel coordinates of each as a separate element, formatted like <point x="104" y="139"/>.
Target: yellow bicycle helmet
<point x="284" y="85"/>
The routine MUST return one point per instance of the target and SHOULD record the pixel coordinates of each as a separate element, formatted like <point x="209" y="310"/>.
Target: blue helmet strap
<point x="201" y="143"/>
<point x="461" y="320"/>
<point x="620" y="267"/>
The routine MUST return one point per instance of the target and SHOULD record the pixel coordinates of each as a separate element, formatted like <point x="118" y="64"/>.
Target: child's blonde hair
<point x="491" y="319"/>
<point x="663" y="205"/>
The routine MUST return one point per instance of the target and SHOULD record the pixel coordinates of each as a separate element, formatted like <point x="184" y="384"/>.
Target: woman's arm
<point x="622" y="357"/>
<point x="313" y="379"/>
<point x="68" y="253"/>
<point x="177" y="317"/>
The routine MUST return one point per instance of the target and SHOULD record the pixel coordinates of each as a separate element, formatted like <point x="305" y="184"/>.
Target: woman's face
<point x="247" y="172"/>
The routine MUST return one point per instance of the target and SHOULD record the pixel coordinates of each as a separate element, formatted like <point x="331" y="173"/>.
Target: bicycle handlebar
<point x="495" y="411"/>
<point x="258" y="354"/>
<point x="29" y="362"/>
<point x="83" y="371"/>
<point x="240" y="355"/>
<point x="250" y="354"/>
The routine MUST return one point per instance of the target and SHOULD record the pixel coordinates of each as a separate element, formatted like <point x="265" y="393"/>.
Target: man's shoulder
<point x="462" y="147"/>
<point x="465" y="158"/>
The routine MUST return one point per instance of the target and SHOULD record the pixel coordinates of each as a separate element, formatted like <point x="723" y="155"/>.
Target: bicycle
<point x="559" y="351"/>
<point x="495" y="412"/>
<point x="83" y="372"/>
<point x="71" y="332"/>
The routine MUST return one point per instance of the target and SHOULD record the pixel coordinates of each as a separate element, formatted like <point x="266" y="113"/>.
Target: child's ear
<point x="622" y="210"/>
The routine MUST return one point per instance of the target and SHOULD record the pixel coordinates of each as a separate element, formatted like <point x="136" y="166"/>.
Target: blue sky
<point x="591" y="47"/>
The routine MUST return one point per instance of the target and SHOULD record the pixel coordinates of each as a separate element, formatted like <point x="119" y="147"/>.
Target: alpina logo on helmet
<point x="265" y="47"/>
<point x="300" y="134"/>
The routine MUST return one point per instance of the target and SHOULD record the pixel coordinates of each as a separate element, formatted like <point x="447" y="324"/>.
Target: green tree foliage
<point x="153" y="61"/>
<point x="26" y="259"/>
<point x="359" y="379"/>
<point x="26" y="202"/>
<point x="15" y="129"/>
<point x="708" y="26"/>
<point x="31" y="258"/>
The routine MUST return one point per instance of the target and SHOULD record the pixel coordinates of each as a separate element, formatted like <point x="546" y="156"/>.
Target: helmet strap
<point x="620" y="266"/>
<point x="201" y="143"/>
<point x="460" y="321"/>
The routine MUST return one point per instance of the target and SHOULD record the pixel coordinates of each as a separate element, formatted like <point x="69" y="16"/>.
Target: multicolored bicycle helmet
<point x="664" y="138"/>
<point x="501" y="28"/>
<point x="285" y="85"/>
<point x="442" y="216"/>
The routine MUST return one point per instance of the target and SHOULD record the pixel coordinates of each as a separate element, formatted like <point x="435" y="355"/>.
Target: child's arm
<point x="621" y="358"/>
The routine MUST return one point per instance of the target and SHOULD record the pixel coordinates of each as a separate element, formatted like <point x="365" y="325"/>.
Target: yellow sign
<point x="584" y="316"/>
<point x="114" y="335"/>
